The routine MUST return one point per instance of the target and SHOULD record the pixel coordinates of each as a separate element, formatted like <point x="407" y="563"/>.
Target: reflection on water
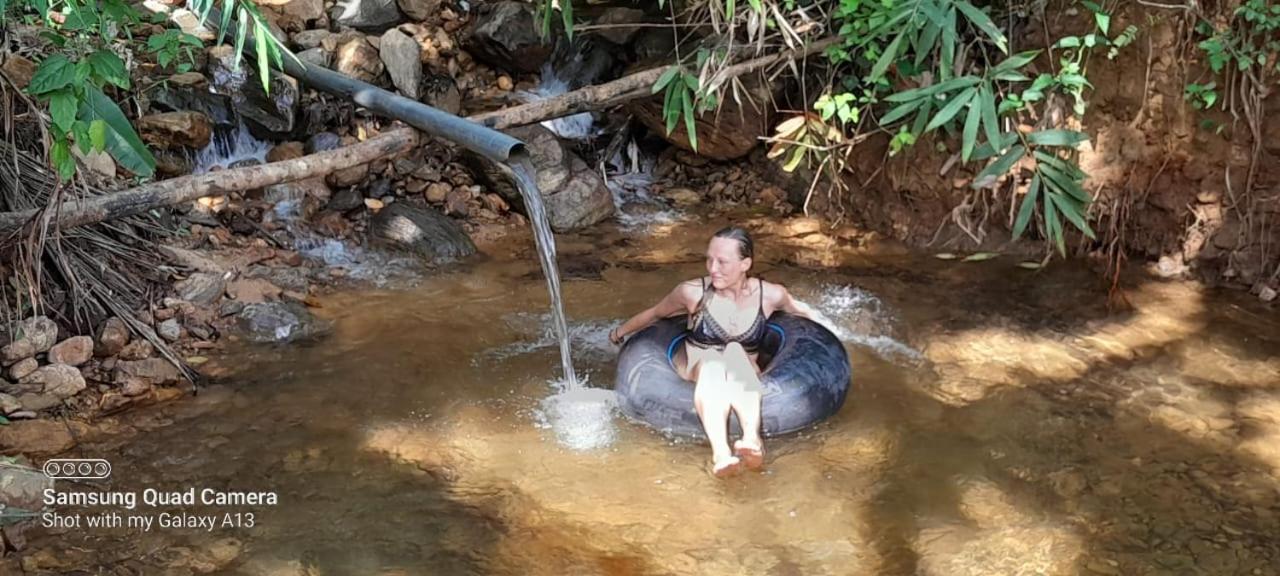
<point x="1011" y="427"/>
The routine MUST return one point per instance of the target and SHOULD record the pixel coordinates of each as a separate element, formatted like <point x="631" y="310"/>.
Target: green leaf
<point x="951" y="109"/>
<point x="890" y="53"/>
<point x="677" y="104"/>
<point x="927" y="40"/>
<point x="1104" y="21"/>
<point x="1000" y="167"/>
<point x="60" y="156"/>
<point x="970" y="139"/>
<point x="81" y="130"/>
<point x="1068" y="42"/>
<point x="120" y="139"/>
<point x="900" y="112"/>
<point x="1028" y="207"/>
<point x="984" y="23"/>
<point x="949" y="43"/>
<point x="110" y="68"/>
<point x="62" y="107"/>
<point x="264" y="68"/>
<point x="54" y="73"/>
<point x="665" y="78"/>
<point x="987" y="150"/>
<point x="689" y="122"/>
<point x="990" y="121"/>
<point x="1016" y="61"/>
<point x="1061" y="165"/>
<point x="98" y="134"/>
<point x="947" y="86"/>
<point x="1074" y="215"/>
<point x="1064" y="184"/>
<point x="1053" y="225"/>
<point x="1058" y="137"/>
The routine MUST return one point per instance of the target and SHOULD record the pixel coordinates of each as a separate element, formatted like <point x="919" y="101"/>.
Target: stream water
<point x="1001" y="421"/>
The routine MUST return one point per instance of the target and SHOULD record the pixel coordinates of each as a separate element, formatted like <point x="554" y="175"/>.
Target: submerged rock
<point x="421" y="231"/>
<point x="280" y="322"/>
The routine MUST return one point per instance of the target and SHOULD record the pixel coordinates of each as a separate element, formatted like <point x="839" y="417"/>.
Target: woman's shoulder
<point x="691" y="289"/>
<point x="773" y="292"/>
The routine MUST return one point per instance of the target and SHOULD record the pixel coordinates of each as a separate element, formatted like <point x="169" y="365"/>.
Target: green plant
<point x="170" y="45"/>
<point x="1249" y="45"/>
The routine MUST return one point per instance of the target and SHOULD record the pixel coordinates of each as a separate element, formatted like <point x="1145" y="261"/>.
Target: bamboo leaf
<point x="980" y="19"/>
<point x="990" y="120"/>
<point x="890" y="53"/>
<point x="947" y="86"/>
<point x="1074" y="215"/>
<point x="951" y="109"/>
<point x="927" y="41"/>
<point x="970" y="138"/>
<point x="1063" y="184"/>
<point x="1027" y="208"/>
<point x="689" y="122"/>
<point x="1001" y="166"/>
<point x="901" y="112"/>
<point x="980" y="257"/>
<point x="949" y="43"/>
<point x="796" y="156"/>
<point x="1059" y="137"/>
<point x="665" y="78"/>
<point x="987" y="151"/>
<point x="264" y="69"/>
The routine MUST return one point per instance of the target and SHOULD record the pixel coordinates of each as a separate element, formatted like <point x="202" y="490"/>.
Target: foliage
<point x="93" y="40"/>
<point x="1248" y="45"/>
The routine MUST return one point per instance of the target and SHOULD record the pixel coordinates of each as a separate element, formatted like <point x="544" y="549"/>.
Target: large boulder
<point x="504" y="35"/>
<point x="573" y="194"/>
<point x="269" y="116"/>
<point x="424" y="232"/>
<point x="372" y="16"/>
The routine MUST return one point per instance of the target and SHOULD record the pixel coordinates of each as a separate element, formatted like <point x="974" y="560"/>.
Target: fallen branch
<point x="72" y="213"/>
<point x="626" y="88"/>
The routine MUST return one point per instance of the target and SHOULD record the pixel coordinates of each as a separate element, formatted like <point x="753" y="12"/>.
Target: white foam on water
<point x="636" y="206"/>
<point x="576" y="127"/>
<point x="859" y="317"/>
<point x="580" y="417"/>
<point x="589" y="340"/>
<point x="225" y="150"/>
<point x="360" y="263"/>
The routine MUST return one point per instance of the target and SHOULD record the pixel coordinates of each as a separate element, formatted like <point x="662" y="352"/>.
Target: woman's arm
<point x="789" y="304"/>
<point x="673" y="303"/>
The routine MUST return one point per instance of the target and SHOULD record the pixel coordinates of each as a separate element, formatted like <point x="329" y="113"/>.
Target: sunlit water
<point x="1010" y="425"/>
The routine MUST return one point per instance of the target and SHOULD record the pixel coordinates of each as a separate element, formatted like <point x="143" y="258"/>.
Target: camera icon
<point x="78" y="469"/>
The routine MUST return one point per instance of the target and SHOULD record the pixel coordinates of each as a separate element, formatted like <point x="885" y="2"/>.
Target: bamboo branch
<point x="72" y="213"/>
<point x="626" y="88"/>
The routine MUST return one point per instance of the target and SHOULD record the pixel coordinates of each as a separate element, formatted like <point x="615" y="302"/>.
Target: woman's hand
<point x="615" y="337"/>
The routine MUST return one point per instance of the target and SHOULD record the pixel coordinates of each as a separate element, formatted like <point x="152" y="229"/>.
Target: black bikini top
<point x="707" y="333"/>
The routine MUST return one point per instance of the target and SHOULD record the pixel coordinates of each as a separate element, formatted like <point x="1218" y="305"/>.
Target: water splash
<point x="227" y="148"/>
<point x="522" y="169"/>
<point x="359" y="263"/>
<point x="576" y="127"/>
<point x="580" y="417"/>
<point x="631" y="187"/>
<point x="860" y="317"/>
<point x="589" y="339"/>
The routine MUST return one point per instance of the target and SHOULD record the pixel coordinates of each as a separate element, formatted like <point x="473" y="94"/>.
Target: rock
<point x="23" y="368"/>
<point x="298" y="190"/>
<point x="441" y="91"/>
<point x="311" y="39"/>
<point x="421" y="231"/>
<point x="268" y="116"/>
<point x="73" y="351"/>
<point x="17" y="351"/>
<point x="504" y="35"/>
<point x="170" y="130"/>
<point x="574" y="195"/>
<point x="437" y="192"/>
<point x="285" y="151"/>
<point x="230" y="308"/>
<point x="170" y="330"/>
<point x="279" y="322"/>
<point x="97" y="161"/>
<point x="286" y="278"/>
<point x="137" y="350"/>
<point x="38" y="402"/>
<point x="318" y="57"/>
<point x="728" y="134"/>
<point x="303" y="10"/>
<point x="378" y="189"/>
<point x="346" y="199"/>
<point x="252" y="290"/>
<point x="456" y="203"/>
<point x="58" y="380"/>
<point x="372" y="16"/>
<point x="201" y="288"/>
<point x="614" y="18"/>
<point x="18" y="69"/>
<point x="683" y="197"/>
<point x="189" y="92"/>
<point x="40" y="437"/>
<point x="419" y="10"/>
<point x="321" y="142"/>
<point x="1267" y="294"/>
<point x="41" y="331"/>
<point x="401" y="56"/>
<point x="24" y="489"/>
<point x="113" y="336"/>
<point x="348" y="176"/>
<point x="133" y="387"/>
<point x="156" y="371"/>
<point x="9" y="404"/>
<point x="359" y="60"/>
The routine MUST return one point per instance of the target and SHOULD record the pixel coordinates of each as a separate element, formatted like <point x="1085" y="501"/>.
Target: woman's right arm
<point x="673" y="303"/>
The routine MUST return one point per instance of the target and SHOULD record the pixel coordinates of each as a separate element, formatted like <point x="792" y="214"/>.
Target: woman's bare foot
<point x="726" y="467"/>
<point x="752" y="455"/>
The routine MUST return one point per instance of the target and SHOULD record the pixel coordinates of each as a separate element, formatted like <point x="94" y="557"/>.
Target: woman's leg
<point x="711" y="398"/>
<point x="741" y="370"/>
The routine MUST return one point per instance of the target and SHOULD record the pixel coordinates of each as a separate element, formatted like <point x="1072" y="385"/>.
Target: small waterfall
<point x="522" y="169"/>
<point x="227" y="148"/>
<point x="575" y="127"/>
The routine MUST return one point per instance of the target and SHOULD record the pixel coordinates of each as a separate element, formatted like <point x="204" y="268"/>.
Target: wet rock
<point x="372" y="16"/>
<point x="401" y="56"/>
<point x="287" y="278"/>
<point x="9" y="404"/>
<point x="321" y="142"/>
<point x="190" y="92"/>
<point x="170" y="330"/>
<point x="201" y="288"/>
<point x="133" y="387"/>
<point x="176" y="129"/>
<point x="230" y="308"/>
<point x="252" y="290"/>
<point x="421" y="231"/>
<point x="17" y="351"/>
<point x="73" y="351"/>
<point x="441" y="91"/>
<point x="57" y="380"/>
<point x="504" y="35"/>
<point x="40" y="437"/>
<point x="318" y="57"/>
<point x="268" y="116"/>
<point x="113" y="336"/>
<point x="457" y="202"/>
<point x="285" y="151"/>
<point x="574" y="195"/>
<point x="156" y="371"/>
<point x="298" y="190"/>
<point x="279" y="322"/>
<point x="346" y="199"/>
<point x="617" y="17"/>
<point x="23" y="368"/>
<point x="40" y="331"/>
<point x="137" y="350"/>
<point x="37" y="402"/>
<point x="348" y="176"/>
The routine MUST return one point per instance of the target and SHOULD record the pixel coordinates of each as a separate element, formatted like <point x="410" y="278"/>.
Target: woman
<point x="728" y="313"/>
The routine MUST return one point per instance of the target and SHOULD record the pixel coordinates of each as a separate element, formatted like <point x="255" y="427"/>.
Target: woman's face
<point x="725" y="263"/>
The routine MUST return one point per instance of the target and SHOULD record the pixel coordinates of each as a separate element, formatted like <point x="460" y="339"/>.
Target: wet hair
<point x="746" y="249"/>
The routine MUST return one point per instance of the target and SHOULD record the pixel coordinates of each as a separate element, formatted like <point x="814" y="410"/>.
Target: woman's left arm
<point x="791" y="305"/>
